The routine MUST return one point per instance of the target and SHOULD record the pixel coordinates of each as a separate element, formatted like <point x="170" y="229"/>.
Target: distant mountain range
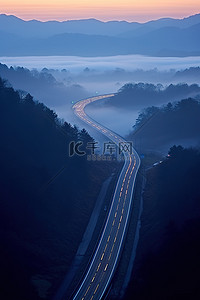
<point x="90" y="37"/>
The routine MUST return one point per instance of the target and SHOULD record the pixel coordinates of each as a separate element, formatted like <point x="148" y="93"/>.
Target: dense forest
<point x="157" y="128"/>
<point x="192" y="73"/>
<point x="167" y="262"/>
<point x="42" y="85"/>
<point x="43" y="213"/>
<point x="140" y="95"/>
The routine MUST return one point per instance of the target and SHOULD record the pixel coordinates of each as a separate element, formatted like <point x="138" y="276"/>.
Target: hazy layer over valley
<point x="60" y="81"/>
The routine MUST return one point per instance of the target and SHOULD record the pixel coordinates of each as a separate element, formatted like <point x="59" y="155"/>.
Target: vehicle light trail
<point x="104" y="261"/>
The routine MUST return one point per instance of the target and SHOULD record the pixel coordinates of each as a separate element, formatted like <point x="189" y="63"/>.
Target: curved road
<point x="103" y="264"/>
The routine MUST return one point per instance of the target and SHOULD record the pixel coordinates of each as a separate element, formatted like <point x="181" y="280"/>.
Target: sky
<point x="105" y="10"/>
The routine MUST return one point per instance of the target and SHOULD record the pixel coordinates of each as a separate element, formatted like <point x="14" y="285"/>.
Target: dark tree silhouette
<point x="44" y="208"/>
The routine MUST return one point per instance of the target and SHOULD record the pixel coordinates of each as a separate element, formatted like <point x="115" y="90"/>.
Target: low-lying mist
<point x="60" y="81"/>
<point x="113" y="118"/>
<point x="76" y="64"/>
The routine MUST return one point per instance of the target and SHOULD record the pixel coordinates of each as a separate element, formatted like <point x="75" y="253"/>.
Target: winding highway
<point x="106" y="256"/>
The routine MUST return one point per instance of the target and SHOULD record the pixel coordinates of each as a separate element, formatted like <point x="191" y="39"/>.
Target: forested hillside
<point x="157" y="128"/>
<point x="167" y="261"/>
<point x="46" y="196"/>
<point x="141" y="95"/>
<point x="42" y="85"/>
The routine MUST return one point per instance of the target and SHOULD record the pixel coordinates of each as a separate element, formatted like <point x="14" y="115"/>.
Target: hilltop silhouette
<point x="164" y="37"/>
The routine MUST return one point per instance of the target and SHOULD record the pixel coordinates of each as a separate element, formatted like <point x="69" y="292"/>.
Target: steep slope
<point x="43" y="213"/>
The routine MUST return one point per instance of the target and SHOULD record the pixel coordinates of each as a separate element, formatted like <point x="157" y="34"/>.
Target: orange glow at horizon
<point x="130" y="10"/>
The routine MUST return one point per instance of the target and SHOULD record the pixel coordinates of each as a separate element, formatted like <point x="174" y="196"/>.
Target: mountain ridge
<point x="13" y="24"/>
<point x="50" y="38"/>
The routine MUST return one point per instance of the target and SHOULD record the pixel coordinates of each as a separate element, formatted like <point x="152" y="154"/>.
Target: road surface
<point x="103" y="264"/>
